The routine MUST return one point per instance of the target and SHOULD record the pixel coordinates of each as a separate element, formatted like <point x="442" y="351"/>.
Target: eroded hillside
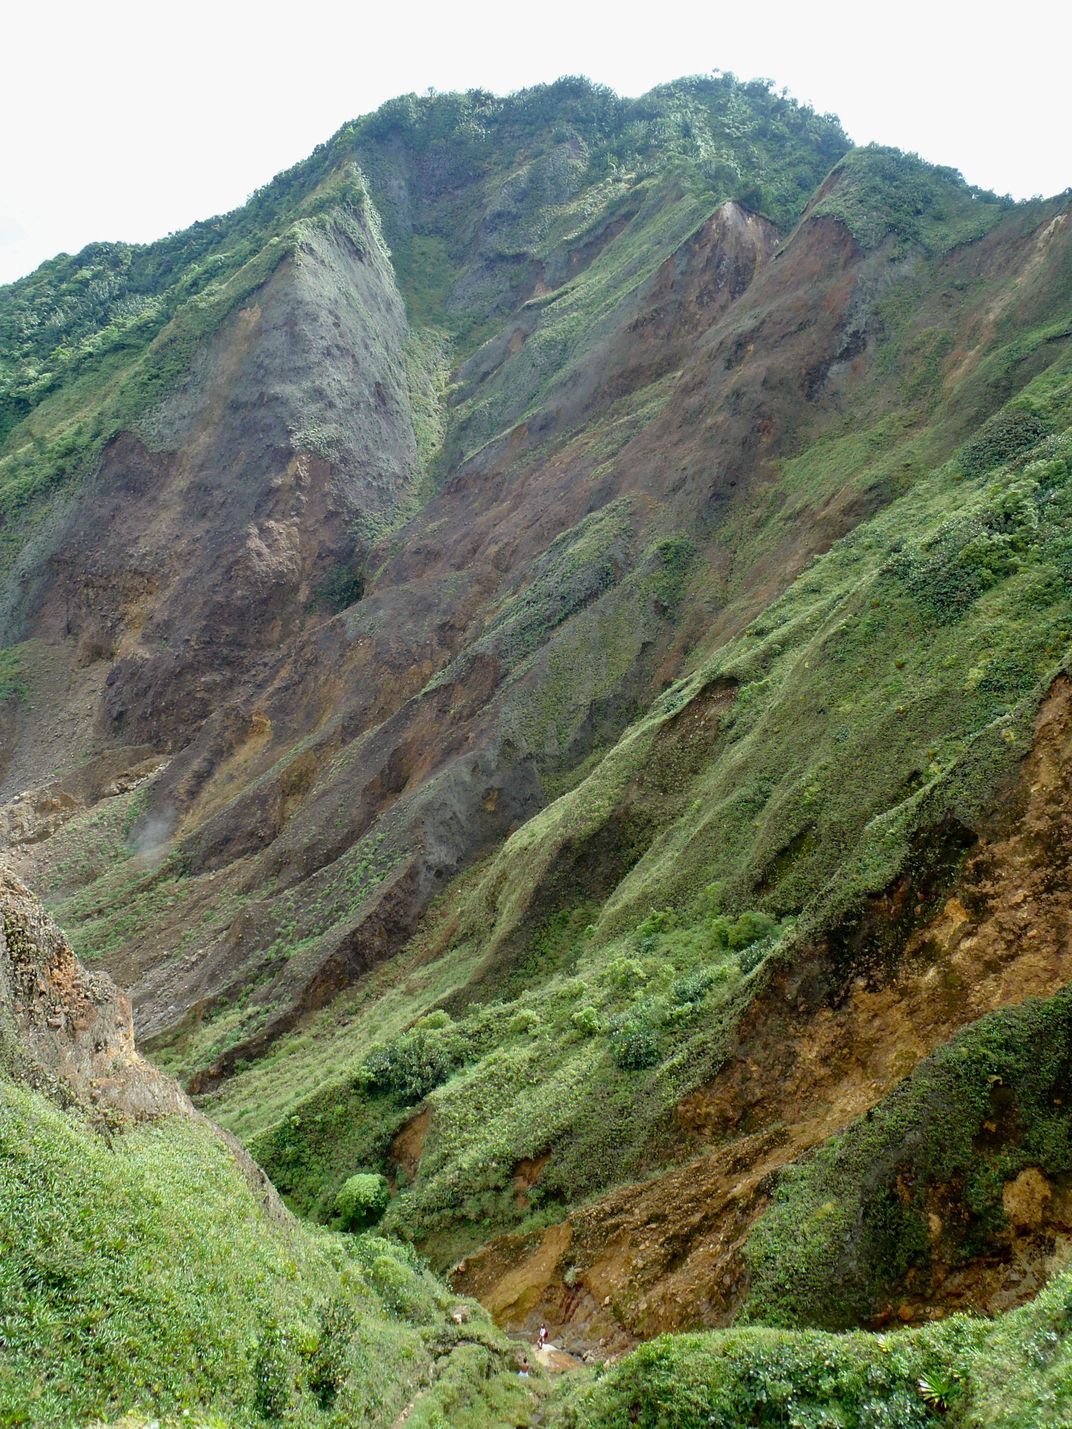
<point x="537" y="653"/>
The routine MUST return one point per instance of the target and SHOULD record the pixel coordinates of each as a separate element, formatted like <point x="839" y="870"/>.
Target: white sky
<point x="126" y="120"/>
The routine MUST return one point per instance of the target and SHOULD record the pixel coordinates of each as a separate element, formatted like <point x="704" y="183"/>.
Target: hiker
<point x="523" y="1372"/>
<point x="543" y="1337"/>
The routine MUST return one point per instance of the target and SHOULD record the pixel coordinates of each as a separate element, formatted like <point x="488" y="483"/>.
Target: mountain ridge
<point x="544" y="616"/>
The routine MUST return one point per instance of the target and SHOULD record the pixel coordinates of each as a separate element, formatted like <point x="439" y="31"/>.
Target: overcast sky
<point x="127" y="120"/>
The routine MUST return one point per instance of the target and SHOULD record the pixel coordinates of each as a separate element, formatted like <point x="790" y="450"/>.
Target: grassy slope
<point x="140" y="1274"/>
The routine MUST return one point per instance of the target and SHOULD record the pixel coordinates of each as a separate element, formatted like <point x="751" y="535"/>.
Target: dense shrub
<point x="340" y="588"/>
<point x="757" y="1378"/>
<point x="692" y="987"/>
<point x="587" y="1020"/>
<point x="634" y="1038"/>
<point x="742" y="932"/>
<point x="272" y="1373"/>
<point x="971" y="553"/>
<point x="328" y="1367"/>
<point x="414" y="1064"/>
<point x="1005" y="436"/>
<point x="361" y="1201"/>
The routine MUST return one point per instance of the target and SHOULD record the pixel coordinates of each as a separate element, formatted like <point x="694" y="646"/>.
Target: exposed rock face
<point x="234" y="526"/>
<point x="201" y="540"/>
<point x="70" y="1031"/>
<point x="442" y="773"/>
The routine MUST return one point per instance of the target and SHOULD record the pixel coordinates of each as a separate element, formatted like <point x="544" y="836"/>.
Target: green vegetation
<point x="1013" y="1373"/>
<point x="340" y="588"/>
<point x="1007" y="435"/>
<point x="361" y="1201"/>
<point x="140" y="1276"/>
<point x="12" y="685"/>
<point x="740" y="136"/>
<point x="415" y="1063"/>
<point x="879" y="191"/>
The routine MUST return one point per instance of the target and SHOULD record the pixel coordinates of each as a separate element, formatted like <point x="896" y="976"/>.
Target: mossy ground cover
<point x="12" y="685"/>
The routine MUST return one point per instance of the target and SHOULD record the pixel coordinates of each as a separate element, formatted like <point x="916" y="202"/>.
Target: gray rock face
<point x="204" y="536"/>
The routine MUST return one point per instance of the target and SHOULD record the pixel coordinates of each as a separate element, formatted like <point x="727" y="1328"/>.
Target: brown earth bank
<point x="823" y="1043"/>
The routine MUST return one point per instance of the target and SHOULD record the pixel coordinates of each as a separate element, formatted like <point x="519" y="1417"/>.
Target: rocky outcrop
<point x="69" y="1031"/>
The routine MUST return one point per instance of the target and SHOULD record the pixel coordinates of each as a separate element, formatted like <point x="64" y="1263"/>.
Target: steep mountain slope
<point x="553" y="626"/>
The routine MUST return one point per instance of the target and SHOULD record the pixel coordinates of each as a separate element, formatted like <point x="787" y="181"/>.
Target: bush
<point x="634" y="1039"/>
<point x="327" y="1363"/>
<point x="362" y="1201"/>
<point x="691" y="987"/>
<point x="968" y="555"/>
<point x="272" y="1374"/>
<point x="749" y="928"/>
<point x="1003" y="437"/>
<point x="741" y="932"/>
<point x="340" y="589"/>
<point x="587" y="1020"/>
<point x="414" y="1064"/>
